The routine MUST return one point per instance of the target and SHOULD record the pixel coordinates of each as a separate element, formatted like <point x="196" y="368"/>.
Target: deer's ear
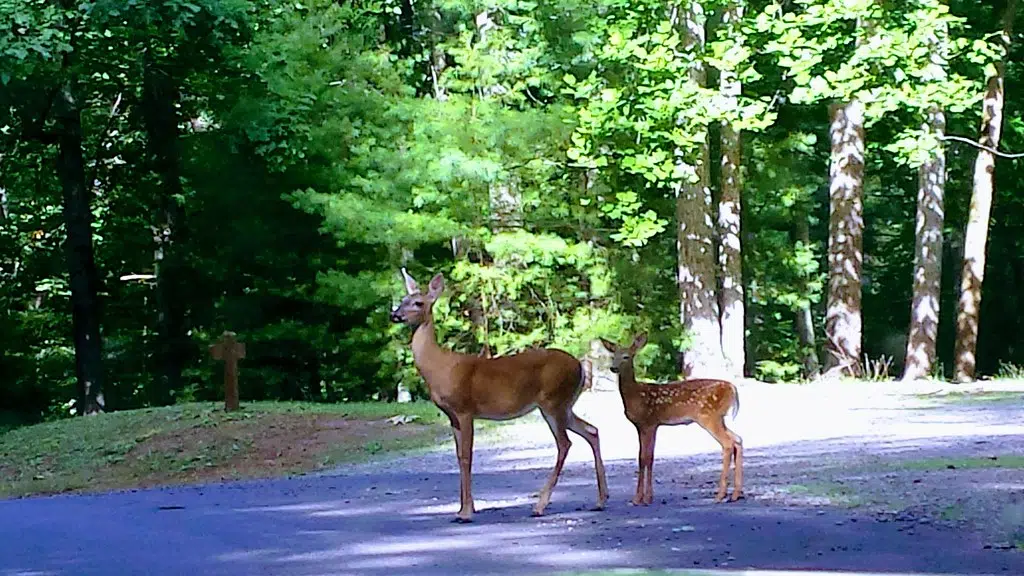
<point x="640" y="341"/>
<point x="608" y="345"/>
<point x="410" y="285"/>
<point x="436" y="286"/>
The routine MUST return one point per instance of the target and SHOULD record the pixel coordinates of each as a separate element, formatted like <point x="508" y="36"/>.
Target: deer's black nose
<point x="395" y="317"/>
<point x="614" y="369"/>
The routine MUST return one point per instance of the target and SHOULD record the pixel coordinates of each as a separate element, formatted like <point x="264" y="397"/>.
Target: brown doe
<point x="469" y="387"/>
<point x="649" y="406"/>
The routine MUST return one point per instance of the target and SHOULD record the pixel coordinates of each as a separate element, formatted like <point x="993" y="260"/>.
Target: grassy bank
<point x="200" y="442"/>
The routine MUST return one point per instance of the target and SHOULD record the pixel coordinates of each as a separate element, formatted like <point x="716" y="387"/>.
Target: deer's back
<point x="509" y="386"/>
<point x="678" y="402"/>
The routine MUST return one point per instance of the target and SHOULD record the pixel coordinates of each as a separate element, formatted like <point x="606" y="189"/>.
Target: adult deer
<point x="649" y="406"/>
<point x="467" y="387"/>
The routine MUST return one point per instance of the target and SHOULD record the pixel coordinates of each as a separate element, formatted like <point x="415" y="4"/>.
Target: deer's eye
<point x="418" y="304"/>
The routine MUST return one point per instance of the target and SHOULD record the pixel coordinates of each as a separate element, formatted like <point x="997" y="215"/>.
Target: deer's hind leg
<point x="725" y="437"/>
<point x="589" y="433"/>
<point x="737" y="479"/>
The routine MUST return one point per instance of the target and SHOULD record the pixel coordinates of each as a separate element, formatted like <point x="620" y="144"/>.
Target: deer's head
<point x="415" y="308"/>
<point x="622" y="356"/>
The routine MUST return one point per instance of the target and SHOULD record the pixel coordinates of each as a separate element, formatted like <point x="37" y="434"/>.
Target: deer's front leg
<point x="463" y="429"/>
<point x="646" y="441"/>
<point x="649" y="492"/>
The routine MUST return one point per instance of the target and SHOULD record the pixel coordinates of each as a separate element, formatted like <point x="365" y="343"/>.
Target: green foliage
<point x="641" y="116"/>
<point x="529" y="151"/>
<point x="539" y="294"/>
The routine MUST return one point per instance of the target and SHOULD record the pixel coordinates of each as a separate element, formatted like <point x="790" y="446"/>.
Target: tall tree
<point x="79" y="246"/>
<point x="804" y="317"/>
<point x="825" y="70"/>
<point x="729" y="213"/>
<point x="846" y="237"/>
<point x="972" y="273"/>
<point x="924" y="309"/>
<point x="696" y="268"/>
<point x="160" y="97"/>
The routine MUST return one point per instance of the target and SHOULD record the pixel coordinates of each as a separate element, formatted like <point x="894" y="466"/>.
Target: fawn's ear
<point x="639" y="342"/>
<point x="608" y="345"/>
<point x="436" y="286"/>
<point x="410" y="285"/>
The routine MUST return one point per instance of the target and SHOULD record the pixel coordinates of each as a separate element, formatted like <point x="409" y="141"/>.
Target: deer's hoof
<point x="462" y="519"/>
<point x="719" y="498"/>
<point x="737" y="496"/>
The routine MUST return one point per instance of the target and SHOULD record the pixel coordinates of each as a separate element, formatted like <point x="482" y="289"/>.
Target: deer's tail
<point x="735" y="400"/>
<point x="586" y="373"/>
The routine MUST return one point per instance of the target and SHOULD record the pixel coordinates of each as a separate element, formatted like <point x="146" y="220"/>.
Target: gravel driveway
<point x="867" y="477"/>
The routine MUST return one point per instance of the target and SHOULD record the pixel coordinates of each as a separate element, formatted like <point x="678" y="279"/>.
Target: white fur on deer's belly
<point x="676" y="421"/>
<point x="508" y="416"/>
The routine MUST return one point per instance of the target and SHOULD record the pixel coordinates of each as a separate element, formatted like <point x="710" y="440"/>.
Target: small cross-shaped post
<point x="230" y="350"/>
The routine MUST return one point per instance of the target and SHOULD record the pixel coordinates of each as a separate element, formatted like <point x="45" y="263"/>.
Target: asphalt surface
<point x="394" y="518"/>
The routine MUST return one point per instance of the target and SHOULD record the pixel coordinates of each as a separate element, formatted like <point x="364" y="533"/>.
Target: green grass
<point x="837" y="494"/>
<point x="969" y="398"/>
<point x="1010" y="372"/>
<point x="927" y="464"/>
<point x="201" y="442"/>
<point x="952" y="513"/>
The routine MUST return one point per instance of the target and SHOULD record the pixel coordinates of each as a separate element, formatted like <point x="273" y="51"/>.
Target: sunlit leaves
<point x="641" y="115"/>
<point x="353" y="218"/>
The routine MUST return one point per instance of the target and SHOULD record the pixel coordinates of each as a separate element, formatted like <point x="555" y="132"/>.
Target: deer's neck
<point x="627" y="381"/>
<point x="431" y="360"/>
<point x="627" y="377"/>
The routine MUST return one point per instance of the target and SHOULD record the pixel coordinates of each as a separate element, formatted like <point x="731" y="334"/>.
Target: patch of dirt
<point x="264" y="446"/>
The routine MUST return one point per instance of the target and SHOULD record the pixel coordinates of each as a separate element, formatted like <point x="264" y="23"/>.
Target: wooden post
<point x="230" y="350"/>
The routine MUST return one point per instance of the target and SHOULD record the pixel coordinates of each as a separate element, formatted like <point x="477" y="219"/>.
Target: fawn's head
<point x="622" y="356"/>
<point x="415" y="308"/>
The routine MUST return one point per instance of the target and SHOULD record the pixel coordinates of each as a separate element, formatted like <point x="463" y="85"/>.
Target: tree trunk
<point x="79" y="248"/>
<point x="846" y="238"/>
<point x="804" y="318"/>
<point x="924" y="309"/>
<point x="729" y="221"/>
<point x="931" y="188"/>
<point x="972" y="274"/>
<point x="399" y="32"/>
<point x="697" y="265"/>
<point x="162" y="138"/>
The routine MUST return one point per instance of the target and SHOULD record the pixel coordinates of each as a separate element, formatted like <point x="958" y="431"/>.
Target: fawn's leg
<point x="646" y="439"/>
<point x="649" y="493"/>
<point x="557" y="423"/>
<point x="590" y="434"/>
<point x="737" y="479"/>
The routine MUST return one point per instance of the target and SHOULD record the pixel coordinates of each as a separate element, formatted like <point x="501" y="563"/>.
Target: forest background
<point x="770" y="188"/>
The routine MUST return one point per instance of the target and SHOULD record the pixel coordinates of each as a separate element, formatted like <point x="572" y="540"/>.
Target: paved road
<point x="394" y="518"/>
